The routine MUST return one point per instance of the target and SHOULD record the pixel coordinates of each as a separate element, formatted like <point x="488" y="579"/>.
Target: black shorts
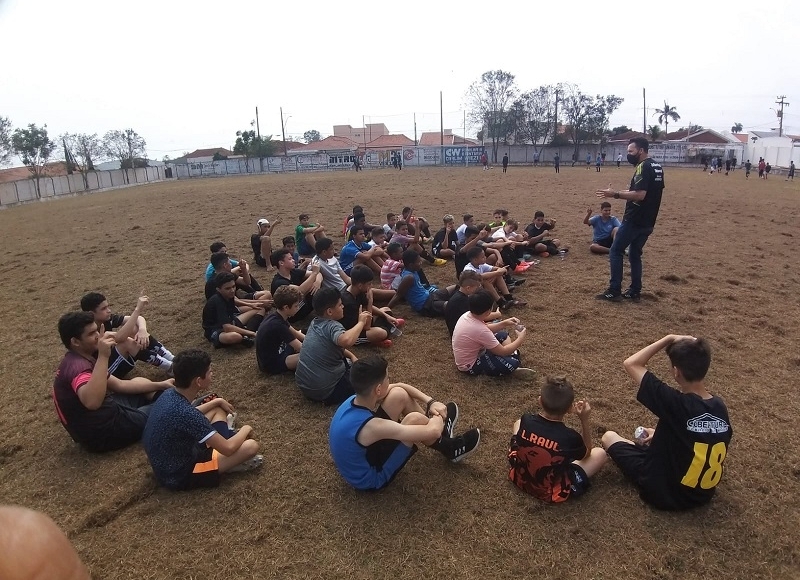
<point x="629" y="458"/>
<point x="127" y="427"/>
<point x="434" y="305"/>
<point x="205" y="473"/>
<point x="389" y="451"/>
<point x="260" y="261"/>
<point x="276" y="365"/>
<point x="118" y="365"/>
<point x="605" y="242"/>
<point x="342" y="391"/>
<point x="580" y="481"/>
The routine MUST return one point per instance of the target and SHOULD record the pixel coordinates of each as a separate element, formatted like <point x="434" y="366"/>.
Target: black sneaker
<point x="631" y="295"/>
<point x="461" y="447"/>
<point x="610" y="296"/>
<point x="451" y="420"/>
<point x="248" y="341"/>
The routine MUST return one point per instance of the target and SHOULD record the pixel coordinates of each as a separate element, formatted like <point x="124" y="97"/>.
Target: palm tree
<point x="737" y="128"/>
<point x="654" y="132"/>
<point x="665" y="114"/>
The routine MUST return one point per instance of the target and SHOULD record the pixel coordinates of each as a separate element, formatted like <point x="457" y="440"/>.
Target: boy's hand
<point x="438" y="410"/>
<point x="364" y="317"/>
<point x="142" y="302"/>
<point x="226" y="406"/>
<point x="105" y="343"/>
<point x="677" y="337"/>
<point x="276" y="221"/>
<point x="583" y="409"/>
<point x="436" y="423"/>
<point x="142" y="338"/>
<point x="510" y="322"/>
<point x="588" y="212"/>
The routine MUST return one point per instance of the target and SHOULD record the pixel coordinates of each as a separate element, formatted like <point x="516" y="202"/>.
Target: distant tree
<point x="218" y="157"/>
<point x="490" y="99"/>
<point x="620" y="130"/>
<point x="137" y="163"/>
<point x="654" y="132"/>
<point x="587" y="116"/>
<point x="311" y="136"/>
<point x="664" y="116"/>
<point x="534" y="113"/>
<point x="737" y="128"/>
<point x="80" y="152"/>
<point x="250" y="145"/>
<point x="34" y="148"/>
<point x="6" y="147"/>
<point x="126" y="146"/>
<point x="165" y="159"/>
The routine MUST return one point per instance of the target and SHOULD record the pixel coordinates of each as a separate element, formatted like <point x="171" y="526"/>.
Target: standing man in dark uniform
<point x="643" y="200"/>
<point x="557" y="162"/>
<point x="505" y="162"/>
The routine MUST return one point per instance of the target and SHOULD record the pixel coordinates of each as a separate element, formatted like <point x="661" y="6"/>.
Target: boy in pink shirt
<point x="392" y="267"/>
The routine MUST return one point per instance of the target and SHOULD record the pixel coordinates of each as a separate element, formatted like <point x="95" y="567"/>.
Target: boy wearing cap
<point x="261" y="242"/>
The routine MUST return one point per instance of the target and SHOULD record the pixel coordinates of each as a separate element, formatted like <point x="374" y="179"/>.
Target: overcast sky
<point x="188" y="75"/>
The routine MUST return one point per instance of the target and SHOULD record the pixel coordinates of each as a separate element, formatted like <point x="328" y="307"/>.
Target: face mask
<point x="633" y="159"/>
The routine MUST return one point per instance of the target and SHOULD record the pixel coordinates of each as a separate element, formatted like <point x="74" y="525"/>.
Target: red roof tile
<point x="388" y="141"/>
<point x="331" y="143"/>
<point x="208" y="153"/>
<point x="18" y="173"/>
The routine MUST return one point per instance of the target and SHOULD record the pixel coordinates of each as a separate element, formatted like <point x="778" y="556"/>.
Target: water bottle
<point x="639" y="435"/>
<point x="562" y="254"/>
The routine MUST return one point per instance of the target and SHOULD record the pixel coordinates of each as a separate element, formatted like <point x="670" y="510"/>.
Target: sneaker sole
<point x="463" y="456"/>
<point x="524" y="373"/>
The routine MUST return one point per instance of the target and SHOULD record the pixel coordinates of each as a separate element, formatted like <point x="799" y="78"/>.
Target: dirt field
<point x="719" y="265"/>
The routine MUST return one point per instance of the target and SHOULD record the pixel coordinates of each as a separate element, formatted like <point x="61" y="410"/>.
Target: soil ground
<point x="719" y="265"/>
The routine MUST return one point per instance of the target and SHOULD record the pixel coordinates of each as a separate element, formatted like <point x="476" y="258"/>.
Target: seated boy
<point x="218" y="247"/>
<point x="378" y="238"/>
<point x="356" y="251"/>
<point x="492" y="278"/>
<point x="261" y="242"/>
<point x="604" y="228"/>
<point x="323" y="368"/>
<point x="277" y="343"/>
<point x="133" y="341"/>
<point x="445" y="241"/>
<point x="409" y="241"/>
<point x="250" y="290"/>
<point x="392" y="267"/>
<point x="306" y="235"/>
<point x="681" y="463"/>
<point x="226" y="324"/>
<point x="329" y="267"/>
<point x="289" y="244"/>
<point x="361" y="296"/>
<point x="538" y="236"/>
<point x="461" y="231"/>
<point x="474" y="236"/>
<point x="376" y="431"/>
<point x="309" y="281"/>
<point x="190" y="447"/>
<point x="99" y="411"/>
<point x="429" y="301"/>
<point x="549" y="460"/>
<point x="481" y="348"/>
<point x="388" y="227"/>
<point x="468" y="283"/>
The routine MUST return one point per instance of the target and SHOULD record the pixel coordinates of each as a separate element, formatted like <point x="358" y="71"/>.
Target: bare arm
<point x="130" y="323"/>
<point x="348" y="338"/>
<point x="402" y="290"/>
<point x="507" y="349"/>
<point x="230" y="446"/>
<point x="588" y="215"/>
<point x="377" y="429"/>
<point x="137" y="385"/>
<point x="311" y="279"/>
<point x="636" y="364"/>
<point x="582" y="410"/>
<point x="627" y="194"/>
<point x="93" y="393"/>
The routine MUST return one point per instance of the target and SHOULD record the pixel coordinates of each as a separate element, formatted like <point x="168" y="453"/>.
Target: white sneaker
<point x="524" y="373"/>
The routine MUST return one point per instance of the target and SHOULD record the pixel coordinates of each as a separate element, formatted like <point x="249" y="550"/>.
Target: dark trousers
<point x="632" y="237"/>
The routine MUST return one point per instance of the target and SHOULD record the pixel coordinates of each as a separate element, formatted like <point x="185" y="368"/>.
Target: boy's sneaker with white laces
<point x="451" y="420"/>
<point x="249" y="465"/>
<point x="459" y="448"/>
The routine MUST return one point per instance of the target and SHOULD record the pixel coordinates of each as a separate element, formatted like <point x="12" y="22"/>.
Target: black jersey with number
<point x="683" y="464"/>
<point x="648" y="176"/>
<point x="540" y="454"/>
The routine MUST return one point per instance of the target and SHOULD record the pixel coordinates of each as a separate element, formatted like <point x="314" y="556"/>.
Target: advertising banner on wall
<point x="460" y="155"/>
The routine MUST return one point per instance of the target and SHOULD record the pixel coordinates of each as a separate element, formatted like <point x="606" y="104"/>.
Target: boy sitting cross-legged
<point x="189" y="447"/>
<point x="492" y="278"/>
<point x="278" y="344"/>
<point x="374" y="433"/>
<point x="549" y="460"/>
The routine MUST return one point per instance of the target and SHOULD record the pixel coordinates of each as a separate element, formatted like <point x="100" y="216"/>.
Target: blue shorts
<point x="494" y="365"/>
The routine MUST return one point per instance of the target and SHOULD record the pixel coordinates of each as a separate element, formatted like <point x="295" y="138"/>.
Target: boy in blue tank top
<point x="370" y="443"/>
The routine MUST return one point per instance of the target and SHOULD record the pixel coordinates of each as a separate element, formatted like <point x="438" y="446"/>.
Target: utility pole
<point x="415" y="129"/>
<point x="283" y="134"/>
<point x="258" y="132"/>
<point x="781" y="102"/>
<point x="644" y="112"/>
<point x="555" y="120"/>
<point x="441" y="119"/>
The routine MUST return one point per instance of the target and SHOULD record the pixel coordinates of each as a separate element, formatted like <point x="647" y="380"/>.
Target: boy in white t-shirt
<point x="492" y="279"/>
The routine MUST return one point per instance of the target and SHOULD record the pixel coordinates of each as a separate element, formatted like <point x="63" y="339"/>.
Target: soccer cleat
<point x="439" y="262"/>
<point x="610" y="296"/>
<point x="451" y="420"/>
<point x="459" y="448"/>
<point x="631" y="295"/>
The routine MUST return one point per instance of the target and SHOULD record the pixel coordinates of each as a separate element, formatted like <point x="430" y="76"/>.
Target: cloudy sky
<point x="188" y="75"/>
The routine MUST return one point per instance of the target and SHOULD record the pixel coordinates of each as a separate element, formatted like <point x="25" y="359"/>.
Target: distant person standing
<point x="733" y="164"/>
<point x="761" y="166"/>
<point x="643" y="200"/>
<point x="598" y="162"/>
<point x="557" y="163"/>
<point x="727" y="166"/>
<point x="619" y="160"/>
<point x="588" y="161"/>
<point x="485" y="161"/>
<point x="767" y="169"/>
<point x="395" y="159"/>
<point x="574" y="158"/>
<point x="747" y="167"/>
<point x="790" y="175"/>
<point x="505" y="162"/>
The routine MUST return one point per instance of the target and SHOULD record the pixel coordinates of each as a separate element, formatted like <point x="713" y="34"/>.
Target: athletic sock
<point x="158" y="361"/>
<point x="508" y="297"/>
<point x="162" y="351"/>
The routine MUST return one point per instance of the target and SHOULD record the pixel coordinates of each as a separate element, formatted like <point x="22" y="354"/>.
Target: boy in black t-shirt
<point x="309" y="281"/>
<point x="445" y="242"/>
<point x="358" y="297"/>
<point x="468" y="283"/>
<point x="224" y="323"/>
<point x="538" y="232"/>
<point x="549" y="460"/>
<point x="679" y="463"/>
<point x="261" y="242"/>
<point x="277" y="343"/>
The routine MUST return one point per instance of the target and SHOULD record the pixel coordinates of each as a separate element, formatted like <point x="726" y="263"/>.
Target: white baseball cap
<point x="262" y="222"/>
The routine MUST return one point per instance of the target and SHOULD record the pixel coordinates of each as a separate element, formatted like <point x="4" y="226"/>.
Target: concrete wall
<point x="54" y="186"/>
<point x="777" y="151"/>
